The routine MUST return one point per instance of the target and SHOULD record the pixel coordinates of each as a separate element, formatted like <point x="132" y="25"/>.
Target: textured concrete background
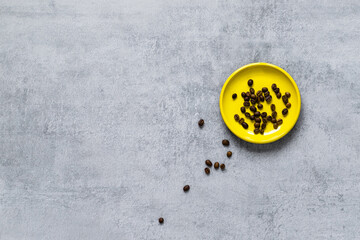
<point x="99" y="103"/>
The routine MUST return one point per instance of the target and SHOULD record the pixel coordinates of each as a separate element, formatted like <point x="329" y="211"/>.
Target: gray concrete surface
<point x="99" y="103"/>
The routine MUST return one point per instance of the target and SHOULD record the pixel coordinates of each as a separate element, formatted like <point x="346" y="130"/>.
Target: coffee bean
<point x="266" y="94"/>
<point x="257" y="125"/>
<point x="247" y="94"/>
<point x="225" y="142"/>
<point x="247" y="115"/>
<point x="262" y="98"/>
<point x="264" y="120"/>
<point x="263" y="126"/>
<point x="222" y="166"/>
<point x="208" y="163"/>
<point x="245" y="125"/>
<point x="278" y="95"/>
<point x="276" y="90"/>
<point x="253" y="109"/>
<point x="285" y="111"/>
<point x="260" y="106"/>
<point x="273" y="120"/>
<point x="246" y="99"/>
<point x="201" y="122"/>
<point x="236" y="117"/>
<point x="234" y="96"/>
<point x="288" y="105"/>
<point x="216" y="165"/>
<point x="253" y="101"/>
<point x="186" y="188"/>
<point x="241" y="120"/>
<point x="246" y="104"/>
<point x="253" y="96"/>
<point x="264" y="89"/>
<point x="256" y="131"/>
<point x="243" y="94"/>
<point x="207" y="171"/>
<point x="228" y="154"/>
<point x="279" y="121"/>
<point x="274" y="114"/>
<point x="257" y="120"/>
<point x="268" y="99"/>
<point x="272" y="107"/>
<point x="287" y="94"/>
<point x="261" y="131"/>
<point x="258" y="93"/>
<point x="273" y="86"/>
<point x="161" y="220"/>
<point x="275" y="125"/>
<point x="250" y="82"/>
<point x="252" y="91"/>
<point x="242" y="109"/>
<point x="269" y="118"/>
<point x="252" y="117"/>
<point x="257" y="114"/>
<point x="263" y="114"/>
<point x="285" y="99"/>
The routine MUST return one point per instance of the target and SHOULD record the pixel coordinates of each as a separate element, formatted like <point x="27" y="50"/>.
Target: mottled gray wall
<point x="99" y="103"/>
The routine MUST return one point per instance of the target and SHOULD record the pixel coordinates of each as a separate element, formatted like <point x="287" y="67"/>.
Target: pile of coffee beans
<point x="254" y="102"/>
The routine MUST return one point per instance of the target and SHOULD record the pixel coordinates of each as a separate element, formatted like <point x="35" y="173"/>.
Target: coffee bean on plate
<point x="288" y="105"/>
<point x="253" y="109"/>
<point x="258" y="93"/>
<point x="274" y="114"/>
<point x="225" y="142"/>
<point x="253" y="96"/>
<point x="246" y="104"/>
<point x="257" y="120"/>
<point x="243" y="94"/>
<point x="186" y="188"/>
<point x="275" y="125"/>
<point x="287" y="94"/>
<point x="276" y="90"/>
<point x="252" y="91"/>
<point x="273" y="120"/>
<point x="246" y="98"/>
<point x="263" y="126"/>
<point x="261" y="131"/>
<point x="256" y="131"/>
<point x="278" y="95"/>
<point x="247" y="115"/>
<point x="253" y="101"/>
<point x="236" y="117"/>
<point x="262" y="98"/>
<point x="216" y="165"/>
<point x="264" y="89"/>
<point x="245" y="125"/>
<point x="272" y="107"/>
<point x="242" y="109"/>
<point x="269" y="118"/>
<point x="250" y="82"/>
<point x="264" y="120"/>
<point x="161" y="220"/>
<point x="252" y="117"/>
<point x="263" y="114"/>
<point x="257" y="125"/>
<point x="234" y="96"/>
<point x="208" y="163"/>
<point x="279" y="121"/>
<point x="268" y="99"/>
<point x="222" y="166"/>
<point x="257" y="114"/>
<point x="273" y="86"/>
<point x="285" y="111"/>
<point x="285" y="99"/>
<point x="247" y="94"/>
<point x="241" y="120"/>
<point x="266" y="94"/>
<point x="228" y="154"/>
<point x="201" y="122"/>
<point x="260" y="106"/>
<point x="207" y="171"/>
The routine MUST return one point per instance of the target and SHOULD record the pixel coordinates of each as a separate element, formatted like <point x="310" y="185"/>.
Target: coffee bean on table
<point x="207" y="171"/>
<point x="257" y="125"/>
<point x="186" y="188"/>
<point x="288" y="105"/>
<point x="257" y="120"/>
<point x="261" y="131"/>
<point x="208" y="163"/>
<point x="252" y="91"/>
<point x="275" y="125"/>
<point x="247" y="94"/>
<point x="245" y="125"/>
<point x="236" y="117"/>
<point x="276" y="90"/>
<point x="216" y="165"/>
<point x="273" y="120"/>
<point x="262" y="98"/>
<point x="273" y="86"/>
<point x="263" y="126"/>
<point x="272" y="107"/>
<point x="269" y="118"/>
<point x="243" y="94"/>
<point x="161" y="220"/>
<point x="285" y="99"/>
<point x="229" y="154"/>
<point x="250" y="82"/>
<point x="287" y="94"/>
<point x="260" y="106"/>
<point x="234" y="96"/>
<point x="256" y="131"/>
<point x="247" y="115"/>
<point x="266" y="94"/>
<point x="242" y="109"/>
<point x="252" y="117"/>
<point x="285" y="111"/>
<point x="253" y="109"/>
<point x="241" y="120"/>
<point x="278" y="95"/>
<point x="257" y="114"/>
<point x="253" y="96"/>
<point x="279" y="121"/>
<point x="225" y="142"/>
<point x="246" y="98"/>
<point x="274" y="114"/>
<point x="246" y="104"/>
<point x="264" y="89"/>
<point x="263" y="114"/>
<point x="222" y="166"/>
<point x="201" y="122"/>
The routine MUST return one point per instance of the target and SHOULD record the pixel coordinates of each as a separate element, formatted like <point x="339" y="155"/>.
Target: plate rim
<point x="243" y="68"/>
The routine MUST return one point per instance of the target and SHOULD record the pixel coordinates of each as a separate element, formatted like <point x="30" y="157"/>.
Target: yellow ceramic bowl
<point x="263" y="75"/>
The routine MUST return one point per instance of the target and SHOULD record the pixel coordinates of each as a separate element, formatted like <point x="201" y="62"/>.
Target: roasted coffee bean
<point x="262" y="98"/>
<point x="260" y="106"/>
<point x="276" y="90"/>
<point x="246" y="99"/>
<point x="268" y="99"/>
<point x="266" y="94"/>
<point x="253" y="109"/>
<point x="241" y="120"/>
<point x="243" y="94"/>
<point x="247" y="94"/>
<point x="186" y="188"/>
<point x="252" y="117"/>
<point x="201" y="122"/>
<point x="252" y="96"/>
<point x="234" y="96"/>
<point x="263" y="126"/>
<point x="228" y="154"/>
<point x="216" y="165"/>
<point x="264" y="120"/>
<point x="161" y="220"/>
<point x="279" y="121"/>
<point x="257" y="120"/>
<point x="250" y="82"/>
<point x="275" y="125"/>
<point x="256" y="131"/>
<point x="257" y="114"/>
<point x="225" y="142"/>
<point x="258" y="93"/>
<point x="273" y="120"/>
<point x="236" y="117"/>
<point x="272" y="107"/>
<point x="245" y="125"/>
<point x="264" y="114"/>
<point x="247" y="115"/>
<point x="242" y="109"/>
<point x="208" y="162"/>
<point x="222" y="166"/>
<point x="273" y="86"/>
<point x="207" y="171"/>
<point x="261" y="131"/>
<point x="246" y="104"/>
<point x="285" y="111"/>
<point x="269" y="118"/>
<point x="252" y="91"/>
<point x="287" y="94"/>
<point x="257" y="125"/>
<point x="288" y="105"/>
<point x="278" y="95"/>
<point x="264" y="89"/>
<point x="285" y="99"/>
<point x="253" y="101"/>
<point x="274" y="114"/>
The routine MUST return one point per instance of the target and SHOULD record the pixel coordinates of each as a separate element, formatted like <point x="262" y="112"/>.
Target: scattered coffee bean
<point x="263" y="126"/>
<point x="216" y="165"/>
<point x="275" y="125"/>
<point x="252" y="91"/>
<point x="252" y="117"/>
<point x="250" y="82"/>
<point x="261" y="131"/>
<point x="273" y="86"/>
<point x="273" y="120"/>
<point x="186" y="188"/>
<point x="285" y="111"/>
<point x="258" y="120"/>
<point x="264" y="120"/>
<point x="161" y="220"/>
<point x="279" y="121"/>
<point x="229" y="154"/>
<point x="242" y="109"/>
<point x="222" y="166"/>
<point x="246" y="99"/>
<point x="247" y="94"/>
<point x="256" y="131"/>
<point x="260" y="106"/>
<point x="268" y="99"/>
<point x="253" y="101"/>
<point x="269" y="118"/>
<point x="241" y="120"/>
<point x="252" y="96"/>
<point x="278" y="95"/>
<point x="285" y="99"/>
<point x="258" y="93"/>
<point x="288" y="105"/>
<point x="243" y="94"/>
<point x="274" y="114"/>
<point x="225" y="142"/>
<point x="272" y="107"/>
<point x="201" y="122"/>
<point x="287" y="94"/>
<point x="246" y="104"/>
<point x="276" y="90"/>
<point x="263" y="114"/>
<point x="253" y="109"/>
<point x="257" y="125"/>
<point x="266" y="94"/>
<point x="257" y="114"/>
<point x="234" y="96"/>
<point x="245" y="125"/>
<point x="207" y="171"/>
<point x="262" y="98"/>
<point x="236" y="117"/>
<point x="247" y="115"/>
<point x="208" y="163"/>
<point x="264" y="89"/>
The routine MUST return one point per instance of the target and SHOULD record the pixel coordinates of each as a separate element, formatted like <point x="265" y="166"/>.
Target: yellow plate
<point x="263" y="75"/>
